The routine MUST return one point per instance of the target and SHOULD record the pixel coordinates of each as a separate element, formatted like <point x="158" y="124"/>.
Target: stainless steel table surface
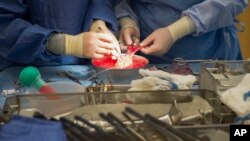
<point x="9" y="77"/>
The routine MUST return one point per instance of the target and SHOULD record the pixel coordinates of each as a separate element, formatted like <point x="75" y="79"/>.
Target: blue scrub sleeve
<point x="21" y="41"/>
<point x="27" y="129"/>
<point x="214" y="14"/>
<point x="123" y="9"/>
<point x="103" y="10"/>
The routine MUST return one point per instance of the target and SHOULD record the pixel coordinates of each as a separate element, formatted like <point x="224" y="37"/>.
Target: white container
<point x="64" y="104"/>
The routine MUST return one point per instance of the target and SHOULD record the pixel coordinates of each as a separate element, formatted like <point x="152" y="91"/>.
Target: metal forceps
<point x="68" y="75"/>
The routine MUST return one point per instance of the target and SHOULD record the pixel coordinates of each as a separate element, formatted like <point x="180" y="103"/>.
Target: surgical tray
<point x="204" y="107"/>
<point x="218" y="76"/>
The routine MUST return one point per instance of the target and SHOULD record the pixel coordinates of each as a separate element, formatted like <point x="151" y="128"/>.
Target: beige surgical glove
<point x="184" y="26"/>
<point x="84" y="45"/>
<point x="100" y="25"/>
<point x="161" y="40"/>
<point x="129" y="32"/>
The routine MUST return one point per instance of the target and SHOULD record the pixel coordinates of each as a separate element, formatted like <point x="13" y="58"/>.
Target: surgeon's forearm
<point x="127" y="22"/>
<point x="64" y="44"/>
<point x="96" y="24"/>
<point x="56" y="44"/>
<point x="182" y="27"/>
<point x="210" y="15"/>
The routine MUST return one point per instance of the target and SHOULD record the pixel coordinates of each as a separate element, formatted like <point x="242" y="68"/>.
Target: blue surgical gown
<point x="216" y="34"/>
<point x="21" y="128"/>
<point x="25" y="26"/>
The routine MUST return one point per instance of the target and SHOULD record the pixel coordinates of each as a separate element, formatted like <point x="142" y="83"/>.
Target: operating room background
<point x="245" y="35"/>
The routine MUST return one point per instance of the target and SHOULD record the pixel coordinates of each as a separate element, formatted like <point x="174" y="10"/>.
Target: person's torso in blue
<point x="219" y="44"/>
<point x="33" y="21"/>
<point x="61" y="15"/>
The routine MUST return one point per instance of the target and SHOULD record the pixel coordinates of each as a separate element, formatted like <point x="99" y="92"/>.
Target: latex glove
<point x="157" y="43"/>
<point x="129" y="33"/>
<point x="234" y="97"/>
<point x="100" y="27"/>
<point x="161" y="40"/>
<point x="182" y="81"/>
<point x="84" y="45"/>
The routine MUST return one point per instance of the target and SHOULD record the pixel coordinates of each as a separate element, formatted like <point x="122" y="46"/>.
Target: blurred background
<point x="245" y="35"/>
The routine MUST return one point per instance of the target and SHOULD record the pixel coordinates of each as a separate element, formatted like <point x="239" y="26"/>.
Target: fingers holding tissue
<point x="129" y="33"/>
<point x="101" y="27"/>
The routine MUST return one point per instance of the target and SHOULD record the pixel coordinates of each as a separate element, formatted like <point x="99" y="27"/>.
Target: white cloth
<point x="234" y="97"/>
<point x="163" y="78"/>
<point x="157" y="80"/>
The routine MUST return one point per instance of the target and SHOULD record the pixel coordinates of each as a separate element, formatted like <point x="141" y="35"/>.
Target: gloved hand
<point x="157" y="43"/>
<point x="129" y="33"/>
<point x="84" y="45"/>
<point x="161" y="40"/>
<point x="99" y="26"/>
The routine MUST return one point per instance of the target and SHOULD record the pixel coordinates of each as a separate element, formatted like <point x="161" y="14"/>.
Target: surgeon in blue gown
<point x="188" y="29"/>
<point x="55" y="32"/>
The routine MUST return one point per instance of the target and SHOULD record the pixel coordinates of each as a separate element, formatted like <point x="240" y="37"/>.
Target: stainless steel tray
<point x="218" y="76"/>
<point x="196" y="106"/>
